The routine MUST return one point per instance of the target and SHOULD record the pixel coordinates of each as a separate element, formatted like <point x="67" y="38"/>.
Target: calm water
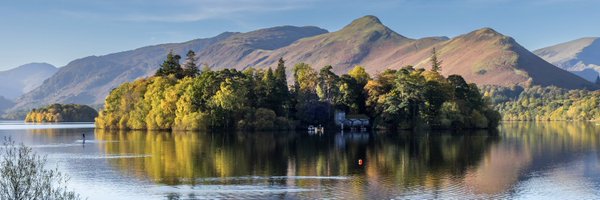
<point x="520" y="161"/>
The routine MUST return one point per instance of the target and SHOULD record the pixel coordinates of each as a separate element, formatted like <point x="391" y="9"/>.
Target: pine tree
<point x="436" y="65"/>
<point x="170" y="66"/>
<point x="190" y="68"/>
<point x="281" y="89"/>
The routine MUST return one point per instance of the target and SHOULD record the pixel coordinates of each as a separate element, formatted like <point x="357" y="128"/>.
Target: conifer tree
<point x="436" y="65"/>
<point x="281" y="88"/>
<point x="171" y="66"/>
<point x="190" y="67"/>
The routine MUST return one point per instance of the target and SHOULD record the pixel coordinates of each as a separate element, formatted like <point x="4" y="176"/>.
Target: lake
<point x="544" y="160"/>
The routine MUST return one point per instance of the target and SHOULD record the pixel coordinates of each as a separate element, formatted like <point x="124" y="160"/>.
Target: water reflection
<point x="520" y="160"/>
<point x="391" y="162"/>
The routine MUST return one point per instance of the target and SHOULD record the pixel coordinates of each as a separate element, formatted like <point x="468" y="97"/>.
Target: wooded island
<point x="181" y="97"/>
<point x="62" y="113"/>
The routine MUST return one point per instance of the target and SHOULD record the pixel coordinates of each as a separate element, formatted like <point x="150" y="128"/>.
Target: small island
<point x="181" y="97"/>
<point x="62" y="113"/>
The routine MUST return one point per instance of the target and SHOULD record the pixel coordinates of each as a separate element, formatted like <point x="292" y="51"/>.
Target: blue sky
<point x="60" y="31"/>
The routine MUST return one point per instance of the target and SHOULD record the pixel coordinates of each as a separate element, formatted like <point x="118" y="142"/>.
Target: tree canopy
<point x="544" y="103"/>
<point x="260" y="99"/>
<point x="62" y="113"/>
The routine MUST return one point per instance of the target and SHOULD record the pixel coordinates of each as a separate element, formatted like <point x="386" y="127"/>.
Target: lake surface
<point x="553" y="160"/>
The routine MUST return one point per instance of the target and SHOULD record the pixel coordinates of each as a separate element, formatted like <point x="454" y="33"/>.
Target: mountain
<point x="24" y="78"/>
<point x="89" y="80"/>
<point x="576" y="56"/>
<point x="242" y="50"/>
<point x="487" y="57"/>
<point x="483" y="56"/>
<point x="361" y="42"/>
<point x="588" y="74"/>
<point x="5" y="104"/>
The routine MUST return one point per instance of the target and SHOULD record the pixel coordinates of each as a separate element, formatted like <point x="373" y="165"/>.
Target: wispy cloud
<point x="178" y="10"/>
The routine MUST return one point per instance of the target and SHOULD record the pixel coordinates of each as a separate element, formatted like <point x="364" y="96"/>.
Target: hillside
<point x="245" y="50"/>
<point x="363" y="41"/>
<point x="5" y="104"/>
<point x="22" y="79"/>
<point x="483" y="56"/>
<point x="577" y="56"/>
<point x="88" y="80"/>
<point x="487" y="57"/>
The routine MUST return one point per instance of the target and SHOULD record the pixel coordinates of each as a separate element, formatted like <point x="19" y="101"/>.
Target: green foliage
<point x="190" y="67"/>
<point x="545" y="103"/>
<point x="62" y="113"/>
<point x="405" y="99"/>
<point x="327" y="87"/>
<point x="436" y="65"/>
<point x="281" y="90"/>
<point x="171" y="66"/>
<point x="259" y="99"/>
<point x="305" y="79"/>
<point x="360" y="75"/>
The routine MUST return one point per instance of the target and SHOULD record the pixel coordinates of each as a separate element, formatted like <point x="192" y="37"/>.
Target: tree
<point x="170" y="66"/>
<point x="460" y="86"/>
<point x="160" y="116"/>
<point x="190" y="68"/>
<point x="305" y="79"/>
<point x="267" y="97"/>
<point x="350" y="95"/>
<point x="436" y="65"/>
<point x="228" y="101"/>
<point x="434" y="96"/>
<point x="25" y="177"/>
<point x="327" y="87"/>
<point x="281" y="89"/>
<point x="408" y="88"/>
<point x="360" y="75"/>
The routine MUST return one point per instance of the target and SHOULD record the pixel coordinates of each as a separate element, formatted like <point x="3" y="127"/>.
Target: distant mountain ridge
<point x="22" y="79"/>
<point x="88" y="80"/>
<point x="5" y="104"/>
<point x="577" y="56"/>
<point x="483" y="56"/>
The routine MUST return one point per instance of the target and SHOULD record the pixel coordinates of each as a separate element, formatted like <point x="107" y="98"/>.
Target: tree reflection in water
<point x="420" y="165"/>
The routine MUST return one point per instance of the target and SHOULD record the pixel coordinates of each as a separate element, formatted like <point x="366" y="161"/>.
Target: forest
<point x="182" y="97"/>
<point x="62" y="113"/>
<point x="544" y="103"/>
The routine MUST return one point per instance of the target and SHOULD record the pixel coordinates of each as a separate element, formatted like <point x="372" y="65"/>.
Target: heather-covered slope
<point x="487" y="57"/>
<point x="245" y="50"/>
<point x="364" y="40"/>
<point x="483" y="56"/>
